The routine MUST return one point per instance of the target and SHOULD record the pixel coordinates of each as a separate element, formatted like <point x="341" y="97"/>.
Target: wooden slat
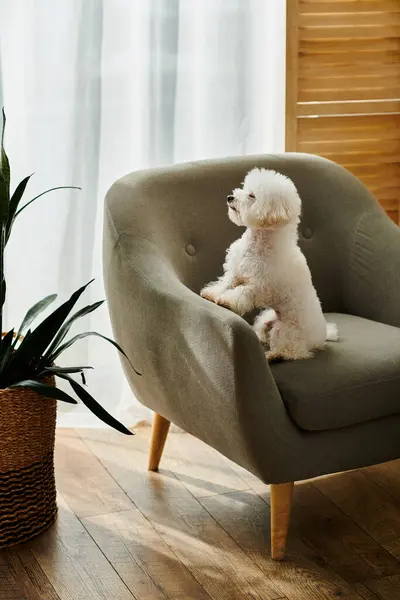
<point x="361" y="49"/>
<point x="349" y="6"/>
<point x="395" y="216"/>
<point x="291" y="74"/>
<point x="311" y="56"/>
<point x="353" y="159"/>
<point x="370" y="107"/>
<point x="354" y="93"/>
<point x="362" y="128"/>
<point x="350" y="19"/>
<point x="334" y="72"/>
<point x="351" y="84"/>
<point x="381" y="171"/>
<point x="350" y="146"/>
<point x="350" y="33"/>
<point x="344" y="5"/>
<point x="349" y="77"/>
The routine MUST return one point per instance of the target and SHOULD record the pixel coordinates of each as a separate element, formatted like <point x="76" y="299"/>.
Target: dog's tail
<point x="332" y="334"/>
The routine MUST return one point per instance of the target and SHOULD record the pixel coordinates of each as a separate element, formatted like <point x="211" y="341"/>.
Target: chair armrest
<point x="373" y="288"/>
<point x="202" y="366"/>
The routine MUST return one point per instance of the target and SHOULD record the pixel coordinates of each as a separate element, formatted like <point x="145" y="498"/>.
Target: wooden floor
<point x="199" y="530"/>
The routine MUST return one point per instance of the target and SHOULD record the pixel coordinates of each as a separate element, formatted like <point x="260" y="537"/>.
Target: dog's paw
<point x="234" y="300"/>
<point x="221" y="301"/>
<point x="274" y="356"/>
<point x="207" y="294"/>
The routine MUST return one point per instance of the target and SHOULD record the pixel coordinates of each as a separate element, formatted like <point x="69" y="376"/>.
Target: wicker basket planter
<point x="27" y="485"/>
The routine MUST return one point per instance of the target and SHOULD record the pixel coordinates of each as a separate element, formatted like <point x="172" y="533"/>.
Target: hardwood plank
<point x="10" y="588"/>
<point x="142" y="559"/>
<point x="251" y="481"/>
<point x="213" y="558"/>
<point x="28" y="575"/>
<point x="367" y="504"/>
<point x="73" y="563"/>
<point x="387" y="475"/>
<point x="387" y="588"/>
<point x="202" y="470"/>
<point x="303" y="575"/>
<point x="364" y="592"/>
<point x="82" y="479"/>
<point x="334" y="536"/>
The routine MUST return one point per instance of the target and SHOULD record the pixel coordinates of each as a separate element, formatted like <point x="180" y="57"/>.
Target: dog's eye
<point x="251" y="195"/>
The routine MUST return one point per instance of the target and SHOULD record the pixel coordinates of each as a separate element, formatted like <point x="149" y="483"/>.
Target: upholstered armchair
<point x="202" y="366"/>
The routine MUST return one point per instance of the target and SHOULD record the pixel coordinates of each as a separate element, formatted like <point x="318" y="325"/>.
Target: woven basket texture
<point x="27" y="483"/>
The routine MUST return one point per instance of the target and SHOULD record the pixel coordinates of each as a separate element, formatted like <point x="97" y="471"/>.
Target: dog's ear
<point x="278" y="214"/>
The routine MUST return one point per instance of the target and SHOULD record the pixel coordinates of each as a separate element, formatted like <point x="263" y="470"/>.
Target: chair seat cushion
<point x="353" y="380"/>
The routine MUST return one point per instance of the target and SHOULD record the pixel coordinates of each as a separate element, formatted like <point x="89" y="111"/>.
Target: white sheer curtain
<point x="94" y="89"/>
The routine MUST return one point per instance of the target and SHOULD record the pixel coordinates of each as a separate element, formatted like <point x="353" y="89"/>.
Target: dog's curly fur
<point x="266" y="269"/>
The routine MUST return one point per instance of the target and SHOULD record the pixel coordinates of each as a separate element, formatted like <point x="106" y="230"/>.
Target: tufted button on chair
<point x="203" y="368"/>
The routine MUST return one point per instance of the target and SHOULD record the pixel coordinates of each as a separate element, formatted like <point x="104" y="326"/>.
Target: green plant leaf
<point x="14" y="203"/>
<point x="35" y="311"/>
<point x="3" y="201"/>
<point x="68" y="324"/>
<point x="62" y="187"/>
<point x="6" y="349"/>
<point x="4" y="163"/>
<point x="28" y="354"/>
<point x="95" y="407"/>
<point x="49" y="391"/>
<point x="80" y="336"/>
<point x="57" y="369"/>
<point x="3" y="292"/>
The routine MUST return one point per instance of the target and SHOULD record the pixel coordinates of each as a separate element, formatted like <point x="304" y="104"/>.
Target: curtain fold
<point x="94" y="89"/>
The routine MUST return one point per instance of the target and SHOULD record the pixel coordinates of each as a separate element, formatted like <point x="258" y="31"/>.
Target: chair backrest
<point x="181" y="211"/>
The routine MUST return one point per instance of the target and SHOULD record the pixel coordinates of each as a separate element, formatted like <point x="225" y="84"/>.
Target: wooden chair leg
<point x="158" y="437"/>
<point x="281" y="502"/>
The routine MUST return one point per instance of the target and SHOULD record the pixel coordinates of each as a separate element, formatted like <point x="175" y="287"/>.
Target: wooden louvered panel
<point x="349" y="6"/>
<point x="343" y="88"/>
<point x="369" y="22"/>
<point x="371" y="107"/>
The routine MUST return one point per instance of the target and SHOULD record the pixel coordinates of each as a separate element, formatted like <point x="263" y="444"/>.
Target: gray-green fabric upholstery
<point x="352" y="381"/>
<point x="203" y="368"/>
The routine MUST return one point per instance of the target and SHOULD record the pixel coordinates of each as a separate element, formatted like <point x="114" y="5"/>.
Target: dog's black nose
<point x="230" y="199"/>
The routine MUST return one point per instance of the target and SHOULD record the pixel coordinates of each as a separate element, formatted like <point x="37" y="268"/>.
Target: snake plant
<point x="29" y="356"/>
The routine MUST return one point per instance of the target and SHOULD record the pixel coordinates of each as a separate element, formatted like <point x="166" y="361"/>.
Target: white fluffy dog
<point x="265" y="268"/>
